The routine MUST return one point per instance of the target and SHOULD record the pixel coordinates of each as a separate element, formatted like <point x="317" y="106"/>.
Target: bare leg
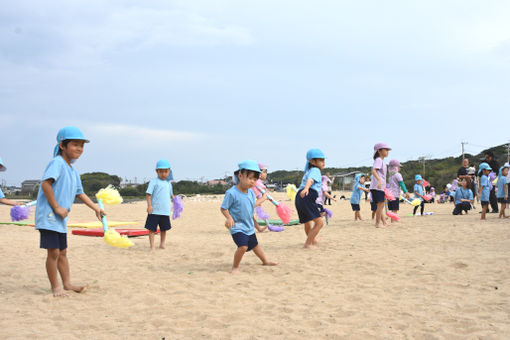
<point x="484" y="211"/>
<point x="151" y="240"/>
<point x="379" y="219"/>
<point x="373" y="214"/>
<point x="260" y="254"/>
<point x="311" y="239"/>
<point x="238" y="255"/>
<point x="51" y="269"/>
<point x="308" y="227"/>
<point x="162" y="235"/>
<point x="359" y="216"/>
<point x="65" y="273"/>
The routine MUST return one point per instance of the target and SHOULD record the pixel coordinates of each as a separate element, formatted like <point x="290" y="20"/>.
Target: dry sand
<point x="431" y="277"/>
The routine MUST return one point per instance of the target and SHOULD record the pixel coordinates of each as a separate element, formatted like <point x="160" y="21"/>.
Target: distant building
<point x="30" y="185"/>
<point x="216" y="182"/>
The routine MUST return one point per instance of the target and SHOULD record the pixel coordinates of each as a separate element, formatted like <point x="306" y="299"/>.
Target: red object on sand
<point x="100" y="233"/>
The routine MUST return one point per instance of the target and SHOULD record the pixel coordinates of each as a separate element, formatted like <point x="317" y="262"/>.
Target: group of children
<point x="61" y="184"/>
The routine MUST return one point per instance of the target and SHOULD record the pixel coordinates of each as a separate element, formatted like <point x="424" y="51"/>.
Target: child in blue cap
<point x="484" y="189"/>
<point x="502" y="193"/>
<point x="357" y="188"/>
<point x="238" y="207"/>
<point x="307" y="208"/>
<point x="159" y="192"/>
<point x="419" y="192"/>
<point x="4" y="200"/>
<point x="60" y="185"/>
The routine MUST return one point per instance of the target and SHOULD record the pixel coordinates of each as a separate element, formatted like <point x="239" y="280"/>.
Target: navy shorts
<point x="53" y="239"/>
<point x="307" y="208"/>
<point x="484" y="203"/>
<point x="377" y="195"/>
<point x="502" y="200"/>
<point x="373" y="206"/>
<point x="321" y="208"/>
<point x="393" y="205"/>
<point x="153" y="221"/>
<point x="355" y="207"/>
<point x="243" y="240"/>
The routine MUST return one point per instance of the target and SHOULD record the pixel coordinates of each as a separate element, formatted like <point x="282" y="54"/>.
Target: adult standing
<point x="493" y="163"/>
<point x="463" y="170"/>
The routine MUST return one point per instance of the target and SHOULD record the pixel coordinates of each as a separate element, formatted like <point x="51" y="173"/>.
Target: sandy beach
<point x="430" y="277"/>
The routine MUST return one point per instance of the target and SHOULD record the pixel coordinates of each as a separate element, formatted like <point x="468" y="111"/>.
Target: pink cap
<point x="262" y="166"/>
<point x="380" y="146"/>
<point x="394" y="163"/>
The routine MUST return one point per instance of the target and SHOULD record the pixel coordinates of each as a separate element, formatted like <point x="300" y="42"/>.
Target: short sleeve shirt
<point x="501" y="187"/>
<point x="484" y="183"/>
<point x="315" y="174"/>
<point x="394" y="185"/>
<point x="381" y="169"/>
<point x="356" y="193"/>
<point x="66" y="185"/>
<point x="160" y="191"/>
<point x="462" y="193"/>
<point x="322" y="197"/>
<point x="241" y="207"/>
<point x="418" y="188"/>
<point x="462" y="171"/>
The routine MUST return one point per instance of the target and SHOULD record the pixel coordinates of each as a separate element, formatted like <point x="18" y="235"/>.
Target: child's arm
<point x="308" y="184"/>
<point x="376" y="175"/>
<point x="261" y="200"/>
<point x="149" y="204"/>
<point x="9" y="202"/>
<point x="88" y="202"/>
<point x="506" y="191"/>
<point x="257" y="226"/>
<point x="329" y="196"/>
<point x="364" y="189"/>
<point x="229" y="223"/>
<point x="50" y="196"/>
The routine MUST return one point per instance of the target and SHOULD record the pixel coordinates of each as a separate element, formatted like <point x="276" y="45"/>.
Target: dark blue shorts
<point x="393" y="205"/>
<point x="502" y="200"/>
<point x="153" y="221"/>
<point x="373" y="206"/>
<point x="484" y="203"/>
<point x="307" y="208"/>
<point x="321" y="208"/>
<point x="243" y="240"/>
<point x="377" y="195"/>
<point x="355" y="207"/>
<point x="53" y="240"/>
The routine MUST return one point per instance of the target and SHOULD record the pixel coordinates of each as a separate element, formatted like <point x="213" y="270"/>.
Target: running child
<point x="502" y="193"/>
<point x="378" y="182"/>
<point x="306" y="197"/>
<point x="463" y="197"/>
<point x="396" y="183"/>
<point x="60" y="185"/>
<point x="357" y="189"/>
<point x="158" y="195"/>
<point x="484" y="189"/>
<point x="238" y="207"/>
<point x="4" y="200"/>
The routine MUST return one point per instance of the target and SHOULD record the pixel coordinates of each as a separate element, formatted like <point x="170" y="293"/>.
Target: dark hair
<point x="468" y="180"/>
<point x="376" y="154"/>
<point x="489" y="153"/>
<point x="256" y="174"/>
<point x="64" y="144"/>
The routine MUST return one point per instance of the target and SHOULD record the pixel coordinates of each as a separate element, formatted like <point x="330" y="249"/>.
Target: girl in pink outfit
<point x="378" y="182"/>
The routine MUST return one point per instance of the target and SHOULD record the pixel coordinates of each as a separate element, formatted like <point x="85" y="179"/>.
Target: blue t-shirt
<point x="241" y="207"/>
<point x="160" y="191"/>
<point x="484" y="183"/>
<point x="315" y="174"/>
<point x="502" y="181"/>
<point x="356" y="193"/>
<point x="66" y="185"/>
<point x="1" y="194"/>
<point x="418" y="188"/>
<point x="462" y="193"/>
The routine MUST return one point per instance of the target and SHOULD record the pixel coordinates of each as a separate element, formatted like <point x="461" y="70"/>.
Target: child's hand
<point x="407" y="195"/>
<point x="99" y="213"/>
<point x="304" y="193"/>
<point x="62" y="212"/>
<point x="264" y="197"/>
<point x="229" y="223"/>
<point x="150" y="210"/>
<point x="379" y="185"/>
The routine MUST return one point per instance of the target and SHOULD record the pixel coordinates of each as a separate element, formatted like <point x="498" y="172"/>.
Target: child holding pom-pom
<point x="4" y="200"/>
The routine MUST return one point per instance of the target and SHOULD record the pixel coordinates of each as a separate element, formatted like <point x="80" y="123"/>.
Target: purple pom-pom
<point x="178" y="207"/>
<point x="261" y="213"/>
<point x="329" y="213"/>
<point x="19" y="212"/>
<point x="275" y="228"/>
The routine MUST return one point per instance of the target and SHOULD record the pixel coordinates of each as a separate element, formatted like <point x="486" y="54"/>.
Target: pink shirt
<point x="321" y="198"/>
<point x="393" y="184"/>
<point x="381" y="169"/>
<point x="261" y="185"/>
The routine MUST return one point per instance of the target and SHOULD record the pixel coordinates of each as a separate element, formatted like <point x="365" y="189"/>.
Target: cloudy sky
<point x="209" y="83"/>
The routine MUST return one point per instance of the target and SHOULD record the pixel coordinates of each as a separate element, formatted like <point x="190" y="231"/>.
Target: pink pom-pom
<point x="19" y="212"/>
<point x="261" y="213"/>
<point x="388" y="194"/>
<point x="284" y="213"/>
<point x="393" y="216"/>
<point x="427" y="197"/>
<point x="178" y="207"/>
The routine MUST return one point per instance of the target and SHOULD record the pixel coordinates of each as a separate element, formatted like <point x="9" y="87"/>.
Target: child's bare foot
<point x="310" y="247"/>
<point x="380" y="225"/>
<point x="234" y="271"/>
<point x="76" y="289"/>
<point x="162" y="246"/>
<point x="316" y="241"/>
<point x="269" y="263"/>
<point x="58" y="292"/>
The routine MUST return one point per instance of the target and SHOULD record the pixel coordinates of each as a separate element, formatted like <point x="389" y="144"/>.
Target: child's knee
<point x="242" y="248"/>
<point x="53" y="254"/>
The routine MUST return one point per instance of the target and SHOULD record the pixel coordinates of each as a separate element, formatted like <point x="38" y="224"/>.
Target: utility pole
<point x="422" y="159"/>
<point x="463" y="143"/>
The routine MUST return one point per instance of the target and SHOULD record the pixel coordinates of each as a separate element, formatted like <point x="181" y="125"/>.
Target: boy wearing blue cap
<point x="60" y="185"/>
<point x="307" y="208"/>
<point x="419" y="192"/>
<point x="502" y="193"/>
<point x="4" y="200"/>
<point x="238" y="208"/>
<point x="159" y="192"/>
<point x="484" y="189"/>
<point x="358" y="187"/>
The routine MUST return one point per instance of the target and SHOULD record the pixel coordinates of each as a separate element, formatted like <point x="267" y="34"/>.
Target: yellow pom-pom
<point x="416" y="202"/>
<point x="291" y="191"/>
<point x="109" y="195"/>
<point x="113" y="238"/>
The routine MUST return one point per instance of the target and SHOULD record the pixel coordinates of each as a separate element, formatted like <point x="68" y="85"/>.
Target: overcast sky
<point x="206" y="84"/>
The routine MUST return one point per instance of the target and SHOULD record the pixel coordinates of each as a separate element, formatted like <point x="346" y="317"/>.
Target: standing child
<point x="306" y="199"/>
<point x="396" y="183"/>
<point x="378" y="182"/>
<point x="324" y="195"/>
<point x="502" y="193"/>
<point x="4" y="200"/>
<point x="158" y="194"/>
<point x="60" y="185"/>
<point x="238" y="207"/>
<point x="484" y="189"/>
<point x="258" y="195"/>
<point x="419" y="192"/>
<point x="463" y="197"/>
<point x="357" y="189"/>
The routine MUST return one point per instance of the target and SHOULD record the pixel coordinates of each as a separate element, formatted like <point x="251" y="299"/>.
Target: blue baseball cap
<point x="358" y="177"/>
<point x="418" y="178"/>
<point x="68" y="133"/>
<point x="2" y="166"/>
<point x="484" y="166"/>
<point x="313" y="153"/>
<point x="165" y="164"/>
<point x="246" y="165"/>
